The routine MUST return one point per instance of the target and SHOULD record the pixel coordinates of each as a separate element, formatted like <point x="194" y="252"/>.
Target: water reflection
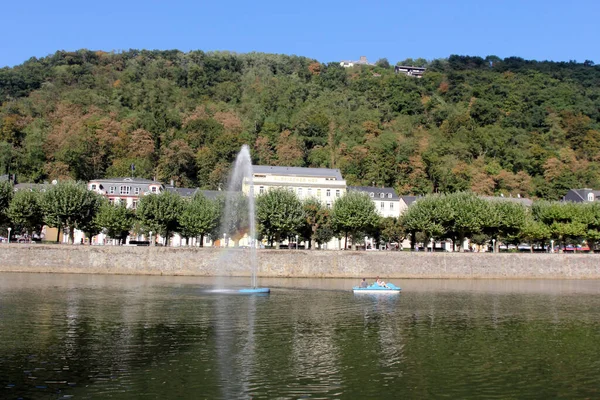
<point x="118" y="337"/>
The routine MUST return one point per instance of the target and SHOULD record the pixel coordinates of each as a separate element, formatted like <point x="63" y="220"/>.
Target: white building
<point x="125" y="190"/>
<point x="324" y="184"/>
<point x="386" y="200"/>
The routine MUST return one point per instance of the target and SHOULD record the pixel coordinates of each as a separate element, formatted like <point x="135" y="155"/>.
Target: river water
<point x="122" y="337"/>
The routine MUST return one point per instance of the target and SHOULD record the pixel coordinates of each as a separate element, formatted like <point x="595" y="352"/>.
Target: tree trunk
<point x="58" y="235"/>
<point x="531" y="248"/>
<point x="71" y="235"/>
<point x="167" y="239"/>
<point x="353" y="243"/>
<point x="202" y="240"/>
<point x="276" y="242"/>
<point x="346" y="242"/>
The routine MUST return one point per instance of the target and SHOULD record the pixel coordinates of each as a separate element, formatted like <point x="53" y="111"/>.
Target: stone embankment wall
<point x="293" y="263"/>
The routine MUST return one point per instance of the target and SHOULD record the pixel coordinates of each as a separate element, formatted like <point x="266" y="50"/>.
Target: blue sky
<point x="325" y="30"/>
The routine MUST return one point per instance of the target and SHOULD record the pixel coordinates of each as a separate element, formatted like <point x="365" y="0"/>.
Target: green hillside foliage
<point x="490" y="125"/>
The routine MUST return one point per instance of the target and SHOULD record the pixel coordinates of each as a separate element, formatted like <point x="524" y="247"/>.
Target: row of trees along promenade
<point x="282" y="215"/>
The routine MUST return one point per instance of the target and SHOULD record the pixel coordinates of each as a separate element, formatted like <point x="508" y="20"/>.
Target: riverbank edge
<point x="131" y="260"/>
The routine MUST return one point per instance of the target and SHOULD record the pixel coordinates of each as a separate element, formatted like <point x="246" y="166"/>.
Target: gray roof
<point x="298" y="171"/>
<point x="183" y="192"/>
<point x="32" y="186"/>
<point x="125" y="180"/>
<point x="522" y="200"/>
<point x="212" y="194"/>
<point x="409" y="199"/>
<point x="377" y="191"/>
<point x="580" y="195"/>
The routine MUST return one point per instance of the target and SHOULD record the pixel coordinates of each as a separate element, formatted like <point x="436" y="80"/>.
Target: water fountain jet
<point x="242" y="175"/>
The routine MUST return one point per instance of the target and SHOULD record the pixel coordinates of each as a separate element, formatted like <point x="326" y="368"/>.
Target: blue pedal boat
<point x="376" y="289"/>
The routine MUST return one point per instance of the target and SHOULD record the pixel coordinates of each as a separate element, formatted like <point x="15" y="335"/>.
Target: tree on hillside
<point x="354" y="213"/>
<point x="279" y="214"/>
<point x="160" y="213"/>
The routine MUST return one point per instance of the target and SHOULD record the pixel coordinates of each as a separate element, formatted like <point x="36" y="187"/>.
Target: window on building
<point x="382" y="195"/>
<point x="318" y="192"/>
<point x="590" y="196"/>
<point x="134" y="204"/>
<point x="299" y="192"/>
<point x="382" y="206"/>
<point x="136" y="190"/>
<point x="328" y="204"/>
<point x="153" y="189"/>
<point x="93" y="187"/>
<point x="337" y="193"/>
<point x="111" y="190"/>
<point x="389" y="195"/>
<point x="328" y="193"/>
<point x="371" y="194"/>
<point x="111" y="201"/>
<point x="125" y="190"/>
<point x="391" y="205"/>
<point x="309" y="192"/>
<point x="261" y="189"/>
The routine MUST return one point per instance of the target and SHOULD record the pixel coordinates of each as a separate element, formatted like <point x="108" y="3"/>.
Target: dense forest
<point x="492" y="125"/>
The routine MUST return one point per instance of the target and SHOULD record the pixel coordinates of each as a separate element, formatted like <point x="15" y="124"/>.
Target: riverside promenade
<point x="294" y="263"/>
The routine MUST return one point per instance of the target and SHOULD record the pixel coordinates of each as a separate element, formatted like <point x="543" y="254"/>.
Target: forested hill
<point x="494" y="126"/>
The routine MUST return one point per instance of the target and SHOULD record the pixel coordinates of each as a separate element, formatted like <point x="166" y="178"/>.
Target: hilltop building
<point x="362" y="61"/>
<point x="410" y="71"/>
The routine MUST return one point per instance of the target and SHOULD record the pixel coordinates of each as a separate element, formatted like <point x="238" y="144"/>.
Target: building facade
<point x="362" y="61"/>
<point x="125" y="190"/>
<point x="324" y="184"/>
<point x="582" y="195"/>
<point x="387" y="202"/>
<point x="410" y="71"/>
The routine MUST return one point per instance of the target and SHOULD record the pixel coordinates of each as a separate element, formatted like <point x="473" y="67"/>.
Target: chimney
<point x="363" y="58"/>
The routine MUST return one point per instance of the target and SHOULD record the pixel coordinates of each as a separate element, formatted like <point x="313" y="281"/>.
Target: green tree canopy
<point x="25" y="211"/>
<point x="117" y="220"/>
<point x="199" y="218"/>
<point x="69" y="205"/>
<point x="354" y="213"/>
<point x="279" y="214"/>
<point x="160" y="213"/>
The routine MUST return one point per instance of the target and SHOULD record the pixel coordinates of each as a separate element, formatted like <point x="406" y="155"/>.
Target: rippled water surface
<point x="122" y="337"/>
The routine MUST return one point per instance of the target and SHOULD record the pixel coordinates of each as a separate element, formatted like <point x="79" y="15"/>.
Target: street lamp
<point x="493" y="245"/>
<point x="296" y="242"/>
<point x="552" y="246"/>
<point x="366" y="238"/>
<point x="9" y="229"/>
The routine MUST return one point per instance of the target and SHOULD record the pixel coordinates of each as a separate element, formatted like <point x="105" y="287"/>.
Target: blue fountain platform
<point x="255" y="291"/>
